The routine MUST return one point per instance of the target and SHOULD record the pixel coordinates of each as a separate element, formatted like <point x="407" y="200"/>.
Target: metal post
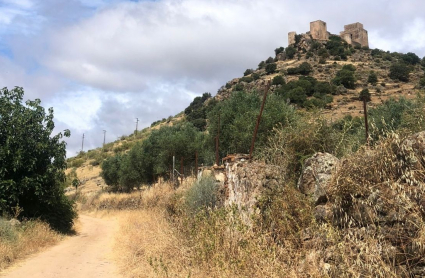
<point x="196" y="164"/>
<point x="365" y="121"/>
<point x="258" y="121"/>
<point x="174" y="166"/>
<point x="82" y="144"/>
<point x="137" y="124"/>
<point x="181" y="170"/>
<point x="217" y="145"/>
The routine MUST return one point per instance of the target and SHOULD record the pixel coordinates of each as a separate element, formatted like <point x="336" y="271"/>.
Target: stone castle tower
<point x="352" y="34"/>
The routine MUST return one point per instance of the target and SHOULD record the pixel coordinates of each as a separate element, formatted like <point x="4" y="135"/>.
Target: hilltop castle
<point x="352" y="34"/>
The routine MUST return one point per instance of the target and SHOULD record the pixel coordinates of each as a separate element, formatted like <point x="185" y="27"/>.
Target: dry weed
<point x="20" y="241"/>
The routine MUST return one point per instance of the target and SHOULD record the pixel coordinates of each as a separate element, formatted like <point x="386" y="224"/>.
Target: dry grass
<point x="20" y="241"/>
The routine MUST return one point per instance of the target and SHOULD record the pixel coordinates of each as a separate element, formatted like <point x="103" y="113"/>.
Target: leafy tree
<point x="323" y="53"/>
<point x="399" y="71"/>
<point x="279" y="50"/>
<point x="248" y="72"/>
<point x="373" y="78"/>
<point x="349" y="67"/>
<point x="305" y="68"/>
<point x="261" y="64"/>
<point x="111" y="171"/>
<point x="196" y="111"/>
<point x="278" y="80"/>
<point x="365" y="95"/>
<point x="269" y="60"/>
<point x="32" y="162"/>
<point x="237" y="121"/>
<point x="346" y="78"/>
<point x="271" y="68"/>
<point x="411" y="58"/>
<point x="290" y="52"/>
<point x="423" y="62"/>
<point x="324" y="88"/>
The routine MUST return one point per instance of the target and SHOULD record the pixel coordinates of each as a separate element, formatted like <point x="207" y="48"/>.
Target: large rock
<point x="317" y="172"/>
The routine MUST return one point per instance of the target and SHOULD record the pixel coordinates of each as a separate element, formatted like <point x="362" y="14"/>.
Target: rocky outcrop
<point x="317" y="172"/>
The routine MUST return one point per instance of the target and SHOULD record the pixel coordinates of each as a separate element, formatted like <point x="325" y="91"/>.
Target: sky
<point x="103" y="63"/>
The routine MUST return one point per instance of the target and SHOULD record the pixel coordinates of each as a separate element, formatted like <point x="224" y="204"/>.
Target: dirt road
<point x="88" y="254"/>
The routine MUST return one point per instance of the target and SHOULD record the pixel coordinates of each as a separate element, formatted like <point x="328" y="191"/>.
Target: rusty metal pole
<point x="258" y="120"/>
<point x="196" y="164"/>
<point x="365" y="121"/>
<point x="181" y="170"/>
<point x="217" y="138"/>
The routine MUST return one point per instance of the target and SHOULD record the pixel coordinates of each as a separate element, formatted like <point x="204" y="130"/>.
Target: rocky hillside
<point x="322" y="61"/>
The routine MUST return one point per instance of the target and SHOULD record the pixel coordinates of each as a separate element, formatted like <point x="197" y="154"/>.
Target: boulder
<point x="316" y="174"/>
<point x="14" y="222"/>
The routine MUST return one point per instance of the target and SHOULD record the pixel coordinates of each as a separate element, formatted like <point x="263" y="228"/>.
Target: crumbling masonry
<point x="352" y="34"/>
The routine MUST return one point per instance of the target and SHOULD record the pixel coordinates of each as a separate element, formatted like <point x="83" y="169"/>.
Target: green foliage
<point x="111" y="170"/>
<point x="323" y="53"/>
<point x="345" y="77"/>
<point x="271" y="68"/>
<point x="261" y="65"/>
<point x="422" y="83"/>
<point x="278" y="80"/>
<point x="399" y="71"/>
<point x="202" y="195"/>
<point x="336" y="46"/>
<point x="269" y="60"/>
<point x="373" y="78"/>
<point x="365" y="95"/>
<point x="290" y="52"/>
<point x="237" y="121"/>
<point x="255" y="76"/>
<point x="423" y="62"/>
<point x="411" y="58"/>
<point x="304" y="69"/>
<point x="279" y="50"/>
<point x="32" y="162"/>
<point x="238" y="87"/>
<point x="247" y="79"/>
<point x="248" y="72"/>
<point x="196" y="112"/>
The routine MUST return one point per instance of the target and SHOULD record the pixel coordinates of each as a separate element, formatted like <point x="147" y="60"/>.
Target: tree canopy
<point x="32" y="162"/>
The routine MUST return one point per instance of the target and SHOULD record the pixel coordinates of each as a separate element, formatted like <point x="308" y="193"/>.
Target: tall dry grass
<point x="30" y="237"/>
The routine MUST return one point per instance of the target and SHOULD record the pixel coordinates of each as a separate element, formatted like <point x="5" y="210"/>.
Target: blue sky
<point x="101" y="64"/>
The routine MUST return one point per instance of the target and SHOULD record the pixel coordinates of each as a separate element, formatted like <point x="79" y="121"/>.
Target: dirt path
<point x="88" y="254"/>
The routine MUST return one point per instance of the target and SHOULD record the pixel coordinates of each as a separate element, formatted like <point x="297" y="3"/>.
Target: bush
<point x="346" y="78"/>
<point x="278" y="80"/>
<point x="203" y="194"/>
<point x="422" y="83"/>
<point x="261" y="65"/>
<point x="304" y="69"/>
<point x="290" y="52"/>
<point x="279" y="50"/>
<point x="238" y="87"/>
<point x="411" y="58"/>
<point x="399" y="71"/>
<point x="247" y="79"/>
<point x="271" y="68"/>
<point x="269" y="60"/>
<point x="248" y="72"/>
<point x="373" y="78"/>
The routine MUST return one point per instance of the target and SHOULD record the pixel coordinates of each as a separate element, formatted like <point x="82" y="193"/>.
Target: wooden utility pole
<point x="82" y="144"/>
<point x="365" y="121"/>
<point x="258" y="120"/>
<point x="217" y="145"/>
<point x="196" y="164"/>
<point x="137" y="124"/>
<point x="104" y="137"/>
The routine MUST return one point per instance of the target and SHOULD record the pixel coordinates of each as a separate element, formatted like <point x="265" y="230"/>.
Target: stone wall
<point x="291" y="38"/>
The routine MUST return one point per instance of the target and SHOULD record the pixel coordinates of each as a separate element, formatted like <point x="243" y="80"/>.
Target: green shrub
<point x="278" y="80"/>
<point x="269" y="60"/>
<point x="345" y="77"/>
<point x="290" y="52"/>
<point x="248" y="72"/>
<point x="238" y="87"/>
<point x="261" y="65"/>
<point x="373" y="78"/>
<point x="247" y="79"/>
<point x="399" y="71"/>
<point x="271" y="68"/>
<point x="279" y="50"/>
<point x="422" y="82"/>
<point x="203" y="194"/>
